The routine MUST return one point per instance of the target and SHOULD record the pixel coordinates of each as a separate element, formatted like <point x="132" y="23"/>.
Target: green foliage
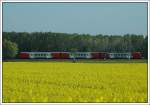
<point x="50" y="41"/>
<point x="145" y="47"/>
<point x="9" y="49"/>
<point x="74" y="50"/>
<point x="74" y="82"/>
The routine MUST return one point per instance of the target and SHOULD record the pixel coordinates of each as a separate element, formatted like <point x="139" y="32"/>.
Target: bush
<point x="9" y="49"/>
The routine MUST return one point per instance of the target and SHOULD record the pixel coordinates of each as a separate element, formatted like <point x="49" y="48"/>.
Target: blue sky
<point x="91" y="18"/>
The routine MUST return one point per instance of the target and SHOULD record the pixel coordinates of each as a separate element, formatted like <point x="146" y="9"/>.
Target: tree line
<point x="15" y="42"/>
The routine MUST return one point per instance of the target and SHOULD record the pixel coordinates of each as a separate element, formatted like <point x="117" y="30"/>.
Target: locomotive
<point x="79" y="55"/>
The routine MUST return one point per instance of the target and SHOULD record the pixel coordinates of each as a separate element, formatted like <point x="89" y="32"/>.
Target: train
<point x="79" y="55"/>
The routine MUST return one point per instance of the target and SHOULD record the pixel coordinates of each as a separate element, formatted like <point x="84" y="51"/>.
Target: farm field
<point x="58" y="81"/>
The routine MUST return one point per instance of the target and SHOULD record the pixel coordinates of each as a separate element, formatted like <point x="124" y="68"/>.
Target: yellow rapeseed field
<point x="74" y="82"/>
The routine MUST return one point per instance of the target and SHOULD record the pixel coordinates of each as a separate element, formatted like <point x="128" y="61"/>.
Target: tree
<point x="53" y="41"/>
<point x="9" y="49"/>
<point x="145" y="47"/>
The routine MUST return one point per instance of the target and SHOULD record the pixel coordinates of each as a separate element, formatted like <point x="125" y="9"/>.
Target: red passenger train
<point x="79" y="55"/>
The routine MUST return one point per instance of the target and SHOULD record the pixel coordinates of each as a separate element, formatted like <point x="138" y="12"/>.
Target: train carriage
<point x="103" y="55"/>
<point x="79" y="55"/>
<point x="99" y="55"/>
<point x="24" y="55"/>
<point x="95" y="55"/>
<point x="120" y="55"/>
<point x="136" y="55"/>
<point x="34" y="55"/>
<point x="41" y="55"/>
<point x="64" y="55"/>
<point x="56" y="55"/>
<point x="60" y="55"/>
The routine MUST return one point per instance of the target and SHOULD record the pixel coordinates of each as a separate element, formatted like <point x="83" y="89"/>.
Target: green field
<point x="57" y="81"/>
